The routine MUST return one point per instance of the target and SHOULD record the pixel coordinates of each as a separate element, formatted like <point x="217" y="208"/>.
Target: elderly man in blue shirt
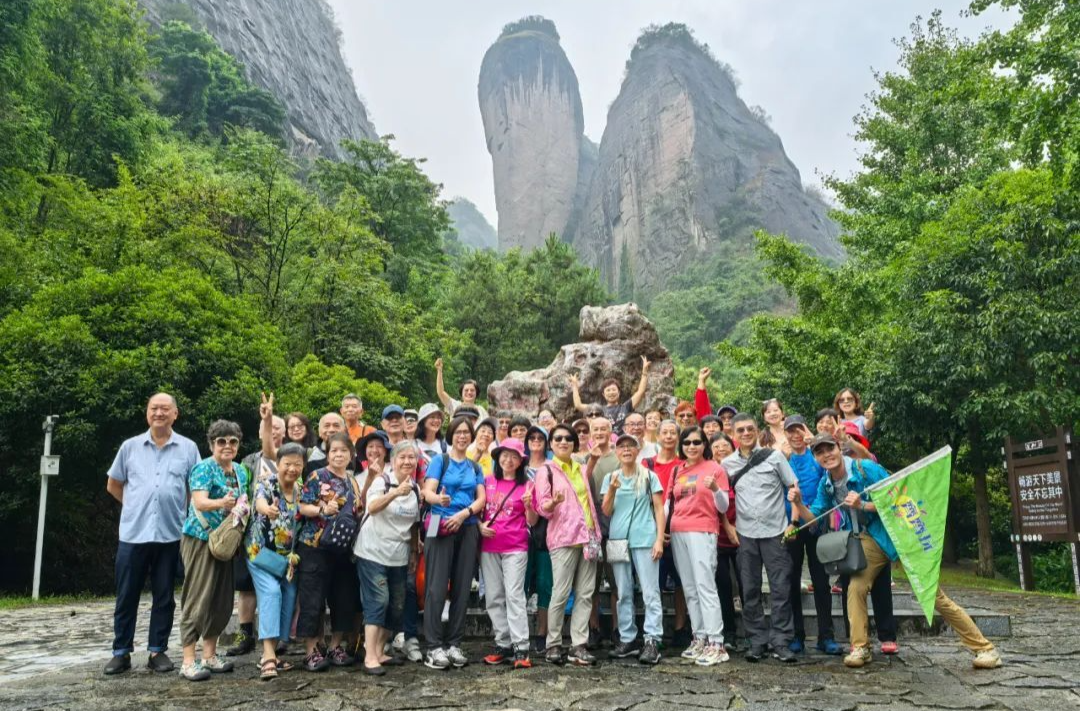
<point x="149" y="479"/>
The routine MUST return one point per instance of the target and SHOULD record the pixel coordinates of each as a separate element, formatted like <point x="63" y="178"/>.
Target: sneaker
<point x="650" y="654"/>
<point x="245" y="644"/>
<point x="437" y="659"/>
<point x="194" y="672"/>
<point x="315" y="662"/>
<point x="217" y="665"/>
<point x="889" y="647"/>
<point x="714" y="654"/>
<point x="457" y="657"/>
<point x="159" y="662"/>
<point x="411" y="649"/>
<point x="755" y="654"/>
<point x="554" y="655"/>
<point x="398" y="645"/>
<point x="858" y="656"/>
<point x="784" y="655"/>
<point x="987" y="659"/>
<point x="796" y="646"/>
<point x="695" y="650"/>
<point x="339" y="657"/>
<point x="829" y="646"/>
<point x="498" y="656"/>
<point x="623" y="650"/>
<point x="579" y="656"/>
<point x="521" y="659"/>
<point x="118" y="663"/>
<point x="836" y="590"/>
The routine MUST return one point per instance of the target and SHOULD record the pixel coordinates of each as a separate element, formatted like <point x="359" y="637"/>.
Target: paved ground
<point x="41" y="653"/>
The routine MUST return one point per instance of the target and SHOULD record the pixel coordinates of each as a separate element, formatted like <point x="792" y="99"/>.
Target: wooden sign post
<point x="1045" y="488"/>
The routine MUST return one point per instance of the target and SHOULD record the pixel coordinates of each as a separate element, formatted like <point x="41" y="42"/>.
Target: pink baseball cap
<point x="510" y="444"/>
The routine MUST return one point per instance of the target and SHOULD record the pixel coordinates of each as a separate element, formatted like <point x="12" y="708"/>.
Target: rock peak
<point x="530" y="23"/>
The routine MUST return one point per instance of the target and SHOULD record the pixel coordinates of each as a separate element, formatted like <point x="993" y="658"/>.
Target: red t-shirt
<point x="695" y="508"/>
<point x="663" y="471"/>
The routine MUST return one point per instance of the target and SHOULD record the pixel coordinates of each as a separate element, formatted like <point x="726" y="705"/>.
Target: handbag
<point x="341" y="534"/>
<point x="841" y="552"/>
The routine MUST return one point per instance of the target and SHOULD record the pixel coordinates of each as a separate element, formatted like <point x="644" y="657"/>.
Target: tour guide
<point x="846" y="484"/>
<point x="149" y="479"/>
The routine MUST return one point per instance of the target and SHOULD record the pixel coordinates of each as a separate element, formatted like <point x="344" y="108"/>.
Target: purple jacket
<point x="566" y="522"/>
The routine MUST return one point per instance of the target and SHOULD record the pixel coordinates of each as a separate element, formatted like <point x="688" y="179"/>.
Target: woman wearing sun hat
<point x="504" y="551"/>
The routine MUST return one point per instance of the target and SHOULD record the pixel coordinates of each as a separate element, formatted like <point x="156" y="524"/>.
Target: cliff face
<point x="533" y="122"/>
<point x="290" y="48"/>
<point x="683" y="165"/>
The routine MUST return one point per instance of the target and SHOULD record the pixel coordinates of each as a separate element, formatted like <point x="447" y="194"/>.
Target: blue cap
<point x="392" y="410"/>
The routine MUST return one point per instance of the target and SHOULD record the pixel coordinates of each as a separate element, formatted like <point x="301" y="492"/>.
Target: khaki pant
<point x="570" y="570"/>
<point x="861" y="583"/>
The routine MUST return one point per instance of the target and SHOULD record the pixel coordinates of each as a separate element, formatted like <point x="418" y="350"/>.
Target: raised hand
<point x="616" y="481"/>
<point x="574" y="381"/>
<point x="703" y="377"/>
<point x="645" y="364"/>
<point x="331" y="508"/>
<point x="794" y="495"/>
<point x="404" y="488"/>
<point x="710" y="483"/>
<point x="266" y="407"/>
<point x="526" y="498"/>
<point x="438" y="364"/>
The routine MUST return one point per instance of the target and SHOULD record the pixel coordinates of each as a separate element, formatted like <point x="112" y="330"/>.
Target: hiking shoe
<point x="498" y="656"/>
<point x="245" y="644"/>
<point x="159" y="662"/>
<point x="796" y="646"/>
<point x="339" y="657"/>
<point x="194" y="672"/>
<point x="457" y="657"/>
<point x="858" y="656"/>
<point x="987" y="659"/>
<point x="437" y="659"/>
<point x="695" y="650"/>
<point x="623" y="650"/>
<point x="755" y="653"/>
<point x="217" y="665"/>
<point x="889" y="647"/>
<point x="714" y="654"/>
<point x="650" y="653"/>
<point x="784" y="655"/>
<point x="398" y="645"/>
<point x="580" y="656"/>
<point x="119" y="663"/>
<point x="829" y="646"/>
<point x="521" y="659"/>
<point x="411" y="649"/>
<point x="316" y="662"/>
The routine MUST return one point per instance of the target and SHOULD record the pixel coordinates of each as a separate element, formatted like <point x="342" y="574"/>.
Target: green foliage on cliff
<point x="155" y="234"/>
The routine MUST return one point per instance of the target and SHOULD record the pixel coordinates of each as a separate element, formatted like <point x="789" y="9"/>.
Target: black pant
<point x="134" y="561"/>
<point x="326" y="578"/>
<point x="753" y="554"/>
<point x="726" y="584"/>
<point x="805" y="543"/>
<point x="881" y="598"/>
<point x="448" y="561"/>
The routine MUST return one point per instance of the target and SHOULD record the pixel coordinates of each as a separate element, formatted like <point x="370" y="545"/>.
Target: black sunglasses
<point x="693" y="442"/>
<point x="562" y="438"/>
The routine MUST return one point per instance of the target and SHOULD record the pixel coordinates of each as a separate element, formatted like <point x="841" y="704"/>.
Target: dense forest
<point x="156" y="234"/>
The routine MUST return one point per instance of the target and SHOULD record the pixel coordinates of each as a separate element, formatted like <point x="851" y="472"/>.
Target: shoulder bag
<point x="340" y="534"/>
<point x="841" y="552"/>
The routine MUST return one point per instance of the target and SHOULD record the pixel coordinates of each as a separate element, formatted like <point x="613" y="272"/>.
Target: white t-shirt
<point x="648" y="449"/>
<point x="384" y="537"/>
<point x="455" y="404"/>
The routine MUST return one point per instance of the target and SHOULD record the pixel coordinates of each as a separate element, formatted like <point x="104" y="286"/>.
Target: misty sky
<point x="809" y="64"/>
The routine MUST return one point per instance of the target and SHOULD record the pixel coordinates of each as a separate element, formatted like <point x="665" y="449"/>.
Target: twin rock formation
<point x="683" y="164"/>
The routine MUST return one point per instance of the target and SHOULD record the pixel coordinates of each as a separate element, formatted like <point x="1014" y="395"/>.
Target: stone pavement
<point x="1042" y="672"/>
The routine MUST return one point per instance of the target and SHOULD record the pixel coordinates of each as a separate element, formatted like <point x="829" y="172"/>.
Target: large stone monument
<point x="613" y="339"/>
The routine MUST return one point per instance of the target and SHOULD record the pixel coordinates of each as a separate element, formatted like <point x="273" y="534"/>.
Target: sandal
<point x="269" y="669"/>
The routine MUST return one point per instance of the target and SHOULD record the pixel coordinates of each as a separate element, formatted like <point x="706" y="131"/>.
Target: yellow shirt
<point x="577" y="480"/>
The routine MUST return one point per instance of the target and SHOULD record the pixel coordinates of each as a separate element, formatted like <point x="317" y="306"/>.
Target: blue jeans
<point x="134" y="561"/>
<point x="382" y="593"/>
<point x="648" y="573"/>
<point x="276" y="599"/>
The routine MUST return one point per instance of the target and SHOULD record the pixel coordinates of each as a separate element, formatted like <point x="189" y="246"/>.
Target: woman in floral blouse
<point x="277" y="505"/>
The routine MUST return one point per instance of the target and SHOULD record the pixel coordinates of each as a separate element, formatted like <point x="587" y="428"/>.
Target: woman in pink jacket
<point x="563" y="496"/>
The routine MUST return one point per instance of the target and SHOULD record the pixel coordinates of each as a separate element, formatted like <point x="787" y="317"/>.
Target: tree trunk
<point x="985" y="567"/>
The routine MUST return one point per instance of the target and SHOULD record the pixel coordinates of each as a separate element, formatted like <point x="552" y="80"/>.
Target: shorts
<point x="242" y="581"/>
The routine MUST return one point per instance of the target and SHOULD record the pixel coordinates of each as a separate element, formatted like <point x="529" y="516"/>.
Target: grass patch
<point x="16" y="602"/>
<point x="961" y="577"/>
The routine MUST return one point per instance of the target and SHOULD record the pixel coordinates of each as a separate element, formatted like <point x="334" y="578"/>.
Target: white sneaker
<point x="194" y="672"/>
<point x="695" y="650"/>
<point x="436" y="659"/>
<point x="714" y="654"/>
<point x="399" y="642"/>
<point x="987" y="659"/>
<point x="457" y="657"/>
<point x="217" y="665"/>
<point x="412" y="650"/>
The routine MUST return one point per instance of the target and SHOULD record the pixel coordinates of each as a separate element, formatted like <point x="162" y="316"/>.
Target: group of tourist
<point x="338" y="538"/>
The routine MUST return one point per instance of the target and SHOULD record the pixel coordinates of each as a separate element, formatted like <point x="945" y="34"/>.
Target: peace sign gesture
<point x="266" y="407"/>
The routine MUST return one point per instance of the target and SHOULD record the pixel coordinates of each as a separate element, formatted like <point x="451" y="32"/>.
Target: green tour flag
<point x="913" y="504"/>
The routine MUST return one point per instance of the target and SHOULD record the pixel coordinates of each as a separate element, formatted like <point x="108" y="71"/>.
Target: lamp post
<point x="50" y="466"/>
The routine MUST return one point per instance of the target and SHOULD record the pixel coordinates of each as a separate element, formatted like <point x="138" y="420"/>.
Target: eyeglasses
<point x="226" y="442"/>
<point x="297" y="426"/>
<point x="693" y="442"/>
<point x="536" y="438"/>
<point x="846" y="398"/>
<point x="594" y="413"/>
<point x="410" y="419"/>
<point x="744" y="430"/>
<point x="686" y="415"/>
<point x="562" y="438"/>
